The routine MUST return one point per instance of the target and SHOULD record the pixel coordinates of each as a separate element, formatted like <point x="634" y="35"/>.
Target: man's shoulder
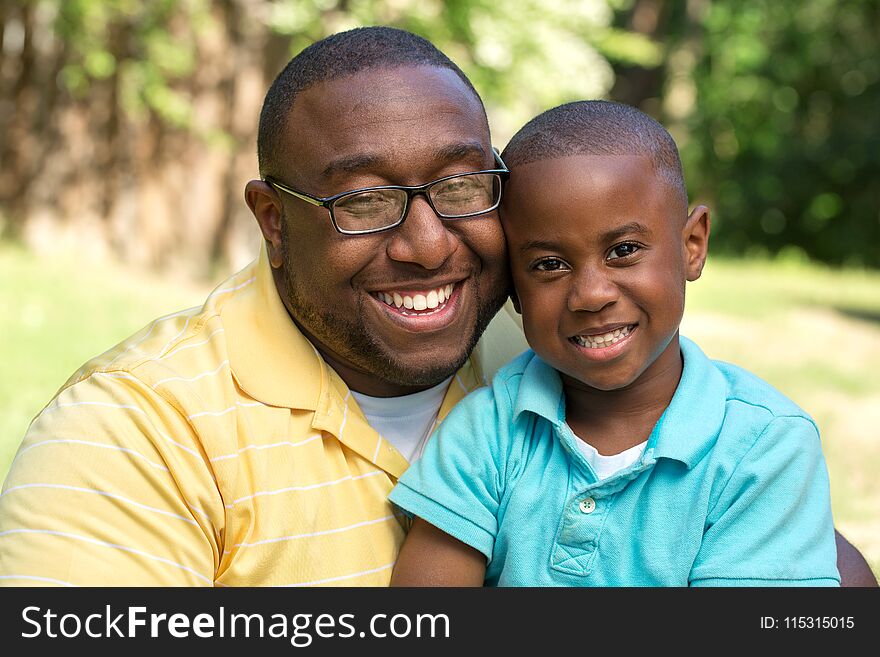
<point x="170" y="345"/>
<point x="496" y="402"/>
<point x="500" y="343"/>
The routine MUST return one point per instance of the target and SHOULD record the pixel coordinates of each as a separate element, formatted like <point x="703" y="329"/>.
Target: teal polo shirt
<point x="731" y="490"/>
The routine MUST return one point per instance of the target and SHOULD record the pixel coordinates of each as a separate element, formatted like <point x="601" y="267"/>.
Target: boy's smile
<point x="606" y="342"/>
<point x="600" y="250"/>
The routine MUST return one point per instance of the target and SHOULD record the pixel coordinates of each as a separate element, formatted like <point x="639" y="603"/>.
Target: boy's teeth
<point x="604" y="340"/>
<point x="428" y="301"/>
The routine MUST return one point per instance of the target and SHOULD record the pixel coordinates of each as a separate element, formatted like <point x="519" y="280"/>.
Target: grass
<point x="811" y="331"/>
<point x="55" y="314"/>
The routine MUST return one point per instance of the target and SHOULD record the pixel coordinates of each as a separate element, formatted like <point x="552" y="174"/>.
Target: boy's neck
<point x="615" y="420"/>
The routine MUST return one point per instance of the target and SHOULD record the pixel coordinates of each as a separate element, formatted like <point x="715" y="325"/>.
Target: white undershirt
<point x="405" y="422"/>
<point x="605" y="466"/>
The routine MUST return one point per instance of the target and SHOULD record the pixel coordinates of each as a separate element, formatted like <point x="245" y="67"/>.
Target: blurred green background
<point x="129" y="131"/>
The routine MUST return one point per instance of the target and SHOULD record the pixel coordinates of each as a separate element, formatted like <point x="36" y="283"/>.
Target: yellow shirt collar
<point x="270" y="358"/>
<point x="274" y="363"/>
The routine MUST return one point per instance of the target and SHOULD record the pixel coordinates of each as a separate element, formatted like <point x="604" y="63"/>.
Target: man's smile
<point x="411" y="302"/>
<point x="430" y="308"/>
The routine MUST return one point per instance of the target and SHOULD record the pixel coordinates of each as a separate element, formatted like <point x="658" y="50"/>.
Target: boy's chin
<point x="599" y="384"/>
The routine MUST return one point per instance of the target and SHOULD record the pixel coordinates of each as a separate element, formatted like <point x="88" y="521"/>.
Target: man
<point x="224" y="445"/>
<point x="237" y="443"/>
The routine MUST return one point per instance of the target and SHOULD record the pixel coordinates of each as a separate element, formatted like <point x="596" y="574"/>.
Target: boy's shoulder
<point x="726" y="410"/>
<point x="746" y="390"/>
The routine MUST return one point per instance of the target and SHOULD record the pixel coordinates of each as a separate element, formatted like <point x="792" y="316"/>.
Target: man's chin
<point x="429" y="366"/>
<point x="424" y="375"/>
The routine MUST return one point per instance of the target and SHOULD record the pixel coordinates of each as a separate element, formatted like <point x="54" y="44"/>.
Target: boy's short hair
<point x="597" y="127"/>
<point x="335" y="56"/>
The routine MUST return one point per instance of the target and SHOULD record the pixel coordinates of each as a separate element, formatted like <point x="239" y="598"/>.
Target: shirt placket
<point x="586" y="511"/>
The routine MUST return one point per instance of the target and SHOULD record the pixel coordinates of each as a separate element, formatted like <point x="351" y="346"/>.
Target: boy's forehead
<point x="583" y="169"/>
<point x="557" y="179"/>
<point x="574" y="189"/>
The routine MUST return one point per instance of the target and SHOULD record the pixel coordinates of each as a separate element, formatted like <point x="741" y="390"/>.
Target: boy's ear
<point x="695" y="237"/>
<point x="515" y="300"/>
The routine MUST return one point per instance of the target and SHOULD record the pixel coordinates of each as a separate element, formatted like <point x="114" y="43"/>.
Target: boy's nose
<point x="591" y="291"/>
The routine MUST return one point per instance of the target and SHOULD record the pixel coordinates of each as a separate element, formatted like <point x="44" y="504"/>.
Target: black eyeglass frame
<point x="411" y="190"/>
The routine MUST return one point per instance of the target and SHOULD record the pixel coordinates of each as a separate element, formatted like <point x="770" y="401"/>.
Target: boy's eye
<point x="550" y="264"/>
<point x="623" y="250"/>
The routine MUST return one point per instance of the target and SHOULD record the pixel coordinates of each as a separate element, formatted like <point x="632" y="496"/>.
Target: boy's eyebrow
<point x="633" y="227"/>
<point x="625" y="229"/>
<point x="541" y="245"/>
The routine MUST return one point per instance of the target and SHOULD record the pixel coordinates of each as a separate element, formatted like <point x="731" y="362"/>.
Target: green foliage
<point x="150" y="45"/>
<point x="773" y="102"/>
<point x="522" y="60"/>
<point x="784" y="139"/>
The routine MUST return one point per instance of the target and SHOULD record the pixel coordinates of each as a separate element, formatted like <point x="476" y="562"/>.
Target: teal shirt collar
<point x="686" y="431"/>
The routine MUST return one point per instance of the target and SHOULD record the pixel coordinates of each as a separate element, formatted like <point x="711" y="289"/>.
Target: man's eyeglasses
<point x="373" y="209"/>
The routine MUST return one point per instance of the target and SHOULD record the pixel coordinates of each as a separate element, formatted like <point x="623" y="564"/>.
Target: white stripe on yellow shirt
<point x="213" y="447"/>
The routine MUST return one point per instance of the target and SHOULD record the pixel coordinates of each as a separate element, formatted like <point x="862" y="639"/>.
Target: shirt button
<point x="587" y="505"/>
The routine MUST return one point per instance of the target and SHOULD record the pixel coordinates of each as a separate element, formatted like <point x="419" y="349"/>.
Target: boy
<point x="616" y="453"/>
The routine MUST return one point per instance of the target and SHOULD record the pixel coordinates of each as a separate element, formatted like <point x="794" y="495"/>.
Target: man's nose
<point x="592" y="290"/>
<point x="423" y="238"/>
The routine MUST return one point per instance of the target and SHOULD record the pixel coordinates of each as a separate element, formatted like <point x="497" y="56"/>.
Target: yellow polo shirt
<point x="215" y="447"/>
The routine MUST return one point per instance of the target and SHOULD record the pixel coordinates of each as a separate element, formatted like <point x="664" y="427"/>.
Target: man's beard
<point x="351" y="340"/>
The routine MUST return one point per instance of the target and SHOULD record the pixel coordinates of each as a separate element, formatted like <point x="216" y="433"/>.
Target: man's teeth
<point x="428" y="301"/>
<point x="604" y="340"/>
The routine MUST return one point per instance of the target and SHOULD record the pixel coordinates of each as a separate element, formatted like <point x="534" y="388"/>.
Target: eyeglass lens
<point x="454" y="197"/>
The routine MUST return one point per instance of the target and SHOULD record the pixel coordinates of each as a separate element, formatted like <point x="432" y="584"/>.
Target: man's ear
<point x="266" y="208"/>
<point x="695" y="237"/>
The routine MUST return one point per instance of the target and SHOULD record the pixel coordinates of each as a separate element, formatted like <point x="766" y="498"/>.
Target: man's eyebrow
<point x="459" y="151"/>
<point x="359" y="161"/>
<point x="352" y="163"/>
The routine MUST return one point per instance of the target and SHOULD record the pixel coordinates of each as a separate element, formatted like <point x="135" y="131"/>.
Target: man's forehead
<point x="401" y="92"/>
<point x="355" y="121"/>
<point x="440" y="153"/>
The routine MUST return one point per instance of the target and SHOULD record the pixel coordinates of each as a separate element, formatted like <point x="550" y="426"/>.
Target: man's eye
<point x="365" y="200"/>
<point x="623" y="250"/>
<point x="457" y="185"/>
<point x="364" y="203"/>
<point x="550" y="264"/>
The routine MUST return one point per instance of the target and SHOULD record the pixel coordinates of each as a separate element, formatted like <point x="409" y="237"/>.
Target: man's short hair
<point x="335" y="56"/>
<point x="597" y="127"/>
